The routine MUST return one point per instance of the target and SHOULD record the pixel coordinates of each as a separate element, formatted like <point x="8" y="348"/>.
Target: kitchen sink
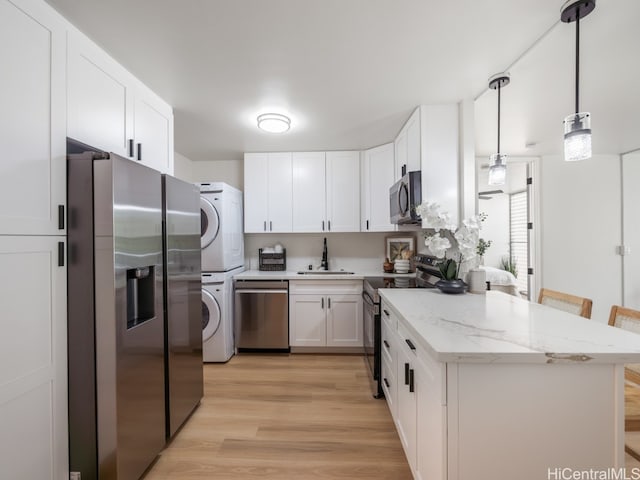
<point x="324" y="272"/>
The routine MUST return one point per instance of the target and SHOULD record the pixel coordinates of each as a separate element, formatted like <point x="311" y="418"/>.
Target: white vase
<point x="477" y="280"/>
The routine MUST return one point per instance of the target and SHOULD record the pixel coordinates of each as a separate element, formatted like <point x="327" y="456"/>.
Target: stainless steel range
<point x="426" y="275"/>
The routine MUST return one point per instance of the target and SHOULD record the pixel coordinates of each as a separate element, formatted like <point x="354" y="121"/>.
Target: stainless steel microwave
<point x="404" y="196"/>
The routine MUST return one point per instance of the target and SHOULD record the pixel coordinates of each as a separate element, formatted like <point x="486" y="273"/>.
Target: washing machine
<point x="217" y="315"/>
<point x="221" y="227"/>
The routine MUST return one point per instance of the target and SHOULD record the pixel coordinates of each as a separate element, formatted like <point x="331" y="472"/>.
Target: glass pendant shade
<point x="497" y="169"/>
<point x="577" y="137"/>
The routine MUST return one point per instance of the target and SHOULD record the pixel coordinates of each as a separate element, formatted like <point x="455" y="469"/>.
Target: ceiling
<point x="349" y="73"/>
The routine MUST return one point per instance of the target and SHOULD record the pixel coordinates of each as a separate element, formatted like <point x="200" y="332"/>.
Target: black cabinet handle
<point x="406" y="374"/>
<point x="60" y="217"/>
<point x="410" y="343"/>
<point x="131" y="147"/>
<point x="270" y="226"/>
<point x="329" y="302"/>
<point x="323" y="225"/>
<point x="386" y="313"/>
<point x="139" y="157"/>
<point x="367" y="224"/>
<point x="386" y="382"/>
<point x="411" y="384"/>
<point x="322" y="303"/>
<point x="386" y="344"/>
<point x="329" y="223"/>
<point x="265" y="225"/>
<point x="61" y="254"/>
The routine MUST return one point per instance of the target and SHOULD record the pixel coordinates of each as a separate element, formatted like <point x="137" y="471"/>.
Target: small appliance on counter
<point x="272" y="258"/>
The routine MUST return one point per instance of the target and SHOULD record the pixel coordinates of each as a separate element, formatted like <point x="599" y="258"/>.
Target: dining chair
<point x="566" y="302"/>
<point x="629" y="319"/>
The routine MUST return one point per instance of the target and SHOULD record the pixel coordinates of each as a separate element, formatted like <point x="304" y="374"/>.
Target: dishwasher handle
<point x="262" y="290"/>
<point x="264" y="285"/>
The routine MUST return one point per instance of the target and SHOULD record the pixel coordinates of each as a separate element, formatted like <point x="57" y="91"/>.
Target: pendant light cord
<point x="498" y="117"/>
<point x="577" y="56"/>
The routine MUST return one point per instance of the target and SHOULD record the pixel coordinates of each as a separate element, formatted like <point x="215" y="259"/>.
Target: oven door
<point x="371" y="340"/>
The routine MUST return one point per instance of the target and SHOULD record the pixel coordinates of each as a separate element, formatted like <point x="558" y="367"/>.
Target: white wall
<point x="362" y="252"/>
<point x="182" y="167"/>
<point x="580" y="228"/>
<point x="228" y="171"/>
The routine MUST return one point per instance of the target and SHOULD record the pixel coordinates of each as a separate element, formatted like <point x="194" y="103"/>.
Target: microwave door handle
<point x="403" y="189"/>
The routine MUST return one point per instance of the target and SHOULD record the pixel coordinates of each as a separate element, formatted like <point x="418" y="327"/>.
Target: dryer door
<point x="210" y="315"/>
<point x="209" y="222"/>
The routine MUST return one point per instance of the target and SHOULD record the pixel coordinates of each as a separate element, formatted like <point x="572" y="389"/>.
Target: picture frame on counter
<point x="396" y="244"/>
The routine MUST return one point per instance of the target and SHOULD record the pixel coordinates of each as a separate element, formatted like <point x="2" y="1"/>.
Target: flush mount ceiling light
<point x="274" y="122"/>
<point x="577" y="127"/>
<point x="498" y="161"/>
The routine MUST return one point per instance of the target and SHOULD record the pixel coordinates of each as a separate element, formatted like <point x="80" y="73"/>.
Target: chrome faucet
<point x="324" y="265"/>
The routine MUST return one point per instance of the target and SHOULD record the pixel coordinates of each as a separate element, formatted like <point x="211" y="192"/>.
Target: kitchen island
<point x="485" y="387"/>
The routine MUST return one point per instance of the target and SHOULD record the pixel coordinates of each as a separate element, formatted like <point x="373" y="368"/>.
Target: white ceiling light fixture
<point x="274" y="122"/>
<point x="577" y="126"/>
<point x="498" y="161"/>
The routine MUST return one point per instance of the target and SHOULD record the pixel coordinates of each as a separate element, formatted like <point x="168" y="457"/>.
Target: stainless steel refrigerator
<point x="183" y="300"/>
<point x="115" y="315"/>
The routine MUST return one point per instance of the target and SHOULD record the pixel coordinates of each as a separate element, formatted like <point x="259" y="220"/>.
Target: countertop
<point x="294" y="275"/>
<point x="500" y="328"/>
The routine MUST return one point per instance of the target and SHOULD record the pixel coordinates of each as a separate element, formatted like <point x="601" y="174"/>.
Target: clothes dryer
<point x="217" y="315"/>
<point x="221" y="227"/>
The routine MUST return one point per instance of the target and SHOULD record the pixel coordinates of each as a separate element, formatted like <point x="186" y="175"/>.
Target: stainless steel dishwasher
<point x="262" y="315"/>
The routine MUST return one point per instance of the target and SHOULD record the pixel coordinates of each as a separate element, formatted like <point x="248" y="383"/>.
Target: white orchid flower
<point x="437" y="245"/>
<point x="433" y="216"/>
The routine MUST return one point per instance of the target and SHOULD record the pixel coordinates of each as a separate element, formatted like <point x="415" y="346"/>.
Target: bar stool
<point x="566" y="302"/>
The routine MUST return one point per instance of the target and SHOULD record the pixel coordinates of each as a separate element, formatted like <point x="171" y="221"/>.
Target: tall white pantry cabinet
<point x="54" y="82"/>
<point x="33" y="333"/>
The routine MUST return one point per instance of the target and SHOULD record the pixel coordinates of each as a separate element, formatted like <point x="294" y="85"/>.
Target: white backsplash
<point x="360" y="252"/>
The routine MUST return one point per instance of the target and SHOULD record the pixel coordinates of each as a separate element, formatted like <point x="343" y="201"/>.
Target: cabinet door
<point x="344" y="321"/>
<point x="256" y="167"/>
<point x="430" y="422"/>
<point x="343" y="191"/>
<point x="380" y="178"/>
<point x="279" y="192"/>
<point x="400" y="151"/>
<point x="406" y="409"/>
<point x="413" y="158"/>
<point x="100" y="102"/>
<point x="309" y="193"/>
<point x="33" y="358"/>
<point x="32" y="118"/>
<point x="307" y="318"/>
<point x="153" y="131"/>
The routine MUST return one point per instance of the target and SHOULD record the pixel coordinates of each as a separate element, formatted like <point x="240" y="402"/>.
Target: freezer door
<point x="183" y="313"/>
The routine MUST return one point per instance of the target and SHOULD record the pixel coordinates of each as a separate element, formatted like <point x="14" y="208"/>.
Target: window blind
<point x="518" y="236"/>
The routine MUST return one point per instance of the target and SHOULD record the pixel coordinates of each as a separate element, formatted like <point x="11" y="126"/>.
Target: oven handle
<point x="367" y="298"/>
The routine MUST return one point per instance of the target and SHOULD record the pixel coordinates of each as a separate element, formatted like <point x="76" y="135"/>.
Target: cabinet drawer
<point x="389" y="386"/>
<point x="388" y="317"/>
<point x="388" y="345"/>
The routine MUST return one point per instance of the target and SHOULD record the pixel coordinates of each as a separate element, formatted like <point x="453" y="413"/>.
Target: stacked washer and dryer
<point x="222" y="243"/>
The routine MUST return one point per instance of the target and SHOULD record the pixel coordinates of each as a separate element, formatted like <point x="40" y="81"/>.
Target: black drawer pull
<point x="406" y="374"/>
<point x="411" y="384"/>
<point x="386" y="313"/>
<point x="410" y="343"/>
<point x="386" y="382"/>
<point x="386" y="344"/>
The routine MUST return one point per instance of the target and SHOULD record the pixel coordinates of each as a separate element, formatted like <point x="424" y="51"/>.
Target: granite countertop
<point x="500" y="328"/>
<point x="294" y="275"/>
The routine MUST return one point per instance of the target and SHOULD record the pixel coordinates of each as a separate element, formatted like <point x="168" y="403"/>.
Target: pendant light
<point x="577" y="126"/>
<point x="498" y="161"/>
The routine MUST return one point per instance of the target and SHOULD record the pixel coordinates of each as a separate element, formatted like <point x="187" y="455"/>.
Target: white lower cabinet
<point x="325" y="313"/>
<point x="33" y="353"/>
<point x="416" y="398"/>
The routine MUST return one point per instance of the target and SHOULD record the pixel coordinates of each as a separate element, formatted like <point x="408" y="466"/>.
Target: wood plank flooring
<point x="286" y="417"/>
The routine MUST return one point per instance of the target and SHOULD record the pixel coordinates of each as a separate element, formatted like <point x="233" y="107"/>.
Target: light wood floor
<point x="286" y="417"/>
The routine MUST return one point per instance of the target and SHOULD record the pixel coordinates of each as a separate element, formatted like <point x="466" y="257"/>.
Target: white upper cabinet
<point x="343" y="191"/>
<point x="407" y="146"/>
<point x="110" y="109"/>
<point x="32" y="119"/>
<point x="377" y="178"/>
<point x="326" y="191"/>
<point x="267" y="192"/>
<point x="400" y="150"/>
<point x="309" y="192"/>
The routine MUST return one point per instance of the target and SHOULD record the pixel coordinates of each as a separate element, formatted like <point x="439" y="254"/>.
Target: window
<point x="518" y="242"/>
